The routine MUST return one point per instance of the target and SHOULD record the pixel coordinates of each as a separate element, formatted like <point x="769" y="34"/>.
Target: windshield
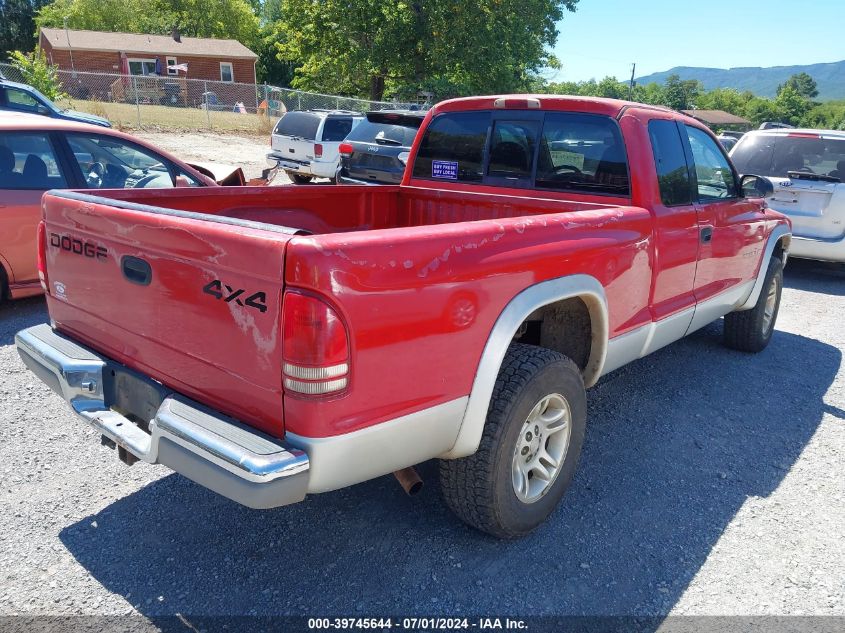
<point x="114" y="152"/>
<point x="383" y="133"/>
<point x="301" y="124"/>
<point x="770" y="155"/>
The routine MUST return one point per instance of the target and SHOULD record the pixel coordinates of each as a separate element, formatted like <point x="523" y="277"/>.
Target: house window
<point x="226" y="73"/>
<point x="142" y="66"/>
<point x="171" y="62"/>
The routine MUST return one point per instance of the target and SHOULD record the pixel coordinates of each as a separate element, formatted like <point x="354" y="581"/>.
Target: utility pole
<point x="70" y="50"/>
<point x="631" y="88"/>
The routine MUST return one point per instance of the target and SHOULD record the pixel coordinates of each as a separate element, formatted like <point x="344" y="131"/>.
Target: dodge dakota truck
<point x="269" y="343"/>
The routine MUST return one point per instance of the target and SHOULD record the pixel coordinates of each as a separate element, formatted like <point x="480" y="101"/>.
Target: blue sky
<point x="603" y="37"/>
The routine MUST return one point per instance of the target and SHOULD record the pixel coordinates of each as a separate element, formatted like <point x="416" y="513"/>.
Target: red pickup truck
<point x="273" y="342"/>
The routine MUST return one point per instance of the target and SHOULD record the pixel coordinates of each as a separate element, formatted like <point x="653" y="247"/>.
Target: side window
<point x="713" y="172"/>
<point x="335" y="130"/>
<point x="28" y="161"/>
<point x="188" y="178"/>
<point x="672" y="170"/>
<point x="112" y="163"/>
<point x="22" y="101"/>
<point x="453" y="147"/>
<point x="512" y="149"/>
<point x="582" y="152"/>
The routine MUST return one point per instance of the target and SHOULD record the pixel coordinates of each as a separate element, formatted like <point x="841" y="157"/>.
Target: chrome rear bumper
<point x="206" y="446"/>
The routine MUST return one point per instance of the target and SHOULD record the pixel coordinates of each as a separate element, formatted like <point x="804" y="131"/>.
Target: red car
<point x="38" y="153"/>
<point x="273" y="343"/>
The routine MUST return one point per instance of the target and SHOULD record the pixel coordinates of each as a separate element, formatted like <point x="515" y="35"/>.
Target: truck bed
<point x="320" y="210"/>
<point x="396" y="263"/>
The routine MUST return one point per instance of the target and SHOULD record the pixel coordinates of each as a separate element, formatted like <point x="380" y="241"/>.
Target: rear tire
<point x="493" y="490"/>
<point x="751" y="330"/>
<point x="298" y="179"/>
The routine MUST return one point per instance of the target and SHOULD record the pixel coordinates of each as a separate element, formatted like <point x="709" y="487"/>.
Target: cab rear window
<point x="453" y="147"/>
<point x="584" y="153"/>
<point x="561" y="151"/>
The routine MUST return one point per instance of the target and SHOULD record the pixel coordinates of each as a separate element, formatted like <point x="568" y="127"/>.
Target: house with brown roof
<point x="718" y="118"/>
<point x="156" y="65"/>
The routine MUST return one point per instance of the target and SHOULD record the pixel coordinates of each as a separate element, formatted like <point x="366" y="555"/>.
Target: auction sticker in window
<point x="446" y="169"/>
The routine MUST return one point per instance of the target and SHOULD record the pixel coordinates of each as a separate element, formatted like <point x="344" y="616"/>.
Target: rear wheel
<point x="751" y="330"/>
<point x="298" y="179"/>
<point x="529" y="448"/>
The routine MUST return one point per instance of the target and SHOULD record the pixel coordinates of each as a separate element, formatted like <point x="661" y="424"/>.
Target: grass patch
<point x="127" y="115"/>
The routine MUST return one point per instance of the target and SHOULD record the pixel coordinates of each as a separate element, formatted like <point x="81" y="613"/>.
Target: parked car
<point x="807" y="169"/>
<point x="727" y="141"/>
<point x="377" y="150"/>
<point x="272" y="343"/>
<point x="305" y="143"/>
<point x="37" y="154"/>
<point x="775" y="125"/>
<point x="732" y="133"/>
<point x="17" y="97"/>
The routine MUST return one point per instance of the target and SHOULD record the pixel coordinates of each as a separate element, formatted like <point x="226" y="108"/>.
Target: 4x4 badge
<point x="219" y="290"/>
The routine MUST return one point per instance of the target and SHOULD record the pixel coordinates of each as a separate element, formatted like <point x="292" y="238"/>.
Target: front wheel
<point x="529" y="448"/>
<point x="751" y="330"/>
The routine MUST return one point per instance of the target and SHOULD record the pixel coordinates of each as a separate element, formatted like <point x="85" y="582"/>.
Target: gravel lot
<point x="712" y="482"/>
<point x="247" y="151"/>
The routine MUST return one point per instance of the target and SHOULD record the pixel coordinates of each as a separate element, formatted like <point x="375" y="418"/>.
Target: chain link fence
<point x="173" y="102"/>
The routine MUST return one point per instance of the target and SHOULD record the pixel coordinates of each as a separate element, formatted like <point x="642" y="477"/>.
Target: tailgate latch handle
<point x="136" y="270"/>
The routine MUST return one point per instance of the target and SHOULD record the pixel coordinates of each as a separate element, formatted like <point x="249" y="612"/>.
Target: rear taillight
<point x="318" y="150"/>
<point x="315" y="346"/>
<point x="42" y="256"/>
<point x="346" y="150"/>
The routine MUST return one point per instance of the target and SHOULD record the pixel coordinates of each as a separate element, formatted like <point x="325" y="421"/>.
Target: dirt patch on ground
<point x="246" y="151"/>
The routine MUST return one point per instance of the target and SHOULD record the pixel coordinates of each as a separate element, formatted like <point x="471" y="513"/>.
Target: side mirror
<point x="756" y="186"/>
<point x="182" y="181"/>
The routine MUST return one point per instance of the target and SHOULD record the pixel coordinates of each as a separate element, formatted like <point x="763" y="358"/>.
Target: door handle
<point x="136" y="270"/>
<point x="706" y="234"/>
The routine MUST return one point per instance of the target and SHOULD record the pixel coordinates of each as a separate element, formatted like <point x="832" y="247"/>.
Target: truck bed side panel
<point x="420" y="302"/>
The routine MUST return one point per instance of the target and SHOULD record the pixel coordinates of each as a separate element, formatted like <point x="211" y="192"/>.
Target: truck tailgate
<point x="191" y="300"/>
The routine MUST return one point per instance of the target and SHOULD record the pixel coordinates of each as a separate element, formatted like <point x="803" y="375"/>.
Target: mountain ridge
<point x="763" y="82"/>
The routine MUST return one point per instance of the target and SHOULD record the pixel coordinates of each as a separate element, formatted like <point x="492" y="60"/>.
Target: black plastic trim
<point x="136" y="270"/>
<point x="189" y="215"/>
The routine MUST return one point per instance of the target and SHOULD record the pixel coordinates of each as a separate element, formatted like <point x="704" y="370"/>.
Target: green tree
<point x="726" y="99"/>
<point x="375" y="47"/>
<point x="792" y="104"/>
<point x="803" y="84"/>
<point x="17" y="25"/>
<point x="759" y="109"/>
<point x="612" y="88"/>
<point x="36" y="72"/>
<point x="652" y="93"/>
<point x="270" y="68"/>
<point x="826" y="116"/>
<point x="681" y="94"/>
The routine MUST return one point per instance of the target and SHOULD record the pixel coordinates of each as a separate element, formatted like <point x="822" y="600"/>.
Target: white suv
<point x="305" y="144"/>
<point x="807" y="169"/>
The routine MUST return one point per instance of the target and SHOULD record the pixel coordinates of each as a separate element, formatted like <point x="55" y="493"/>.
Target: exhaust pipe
<point x="409" y="480"/>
